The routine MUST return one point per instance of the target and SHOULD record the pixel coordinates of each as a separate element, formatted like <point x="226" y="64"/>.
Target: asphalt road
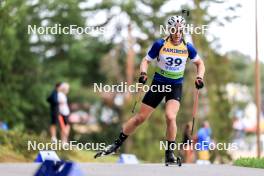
<point x="96" y="169"/>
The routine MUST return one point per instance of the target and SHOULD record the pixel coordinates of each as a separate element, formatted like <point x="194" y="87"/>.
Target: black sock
<point x="122" y="137"/>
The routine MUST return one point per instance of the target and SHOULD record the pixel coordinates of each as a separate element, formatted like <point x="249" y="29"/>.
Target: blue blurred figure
<point x="3" y="126"/>
<point x="203" y="142"/>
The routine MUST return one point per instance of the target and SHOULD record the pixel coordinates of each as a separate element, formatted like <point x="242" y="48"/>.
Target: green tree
<point x="30" y="64"/>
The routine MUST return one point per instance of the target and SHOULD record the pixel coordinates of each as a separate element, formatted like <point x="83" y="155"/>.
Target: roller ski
<point x="170" y="159"/>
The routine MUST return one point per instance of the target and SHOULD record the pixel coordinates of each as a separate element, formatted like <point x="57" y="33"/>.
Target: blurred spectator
<point x="64" y="111"/>
<point x="187" y="151"/>
<point x="239" y="133"/>
<point x="54" y="111"/>
<point x="238" y="127"/>
<point x="203" y="140"/>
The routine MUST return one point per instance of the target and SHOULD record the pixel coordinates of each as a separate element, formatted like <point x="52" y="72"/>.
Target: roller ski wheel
<point x="179" y="161"/>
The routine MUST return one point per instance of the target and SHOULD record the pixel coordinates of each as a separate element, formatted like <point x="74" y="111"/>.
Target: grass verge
<point x="14" y="148"/>
<point x="250" y="162"/>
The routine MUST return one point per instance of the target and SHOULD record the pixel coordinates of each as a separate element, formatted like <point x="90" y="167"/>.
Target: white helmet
<point x="174" y="21"/>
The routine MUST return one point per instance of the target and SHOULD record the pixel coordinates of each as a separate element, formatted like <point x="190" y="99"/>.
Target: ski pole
<point x="137" y="100"/>
<point x="195" y="105"/>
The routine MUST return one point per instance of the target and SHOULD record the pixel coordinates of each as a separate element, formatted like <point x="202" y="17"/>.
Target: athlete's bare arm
<point x="200" y="68"/>
<point x="144" y="65"/>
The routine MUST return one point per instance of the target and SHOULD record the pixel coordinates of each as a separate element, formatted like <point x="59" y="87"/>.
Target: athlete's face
<point x="177" y="33"/>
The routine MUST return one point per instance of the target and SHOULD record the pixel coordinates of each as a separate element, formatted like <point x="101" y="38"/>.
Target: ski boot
<point x="110" y="149"/>
<point x="170" y="159"/>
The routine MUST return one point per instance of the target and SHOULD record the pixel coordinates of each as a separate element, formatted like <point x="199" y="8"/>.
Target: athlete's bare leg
<point x="143" y="114"/>
<point x="171" y="110"/>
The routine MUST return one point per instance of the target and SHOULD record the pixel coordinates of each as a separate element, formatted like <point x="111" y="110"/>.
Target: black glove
<point x="143" y="78"/>
<point x="199" y="82"/>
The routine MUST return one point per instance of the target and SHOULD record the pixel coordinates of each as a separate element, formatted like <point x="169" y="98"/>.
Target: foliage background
<point x="30" y="65"/>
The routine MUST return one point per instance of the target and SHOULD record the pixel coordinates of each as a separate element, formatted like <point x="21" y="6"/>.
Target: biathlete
<point x="171" y="54"/>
